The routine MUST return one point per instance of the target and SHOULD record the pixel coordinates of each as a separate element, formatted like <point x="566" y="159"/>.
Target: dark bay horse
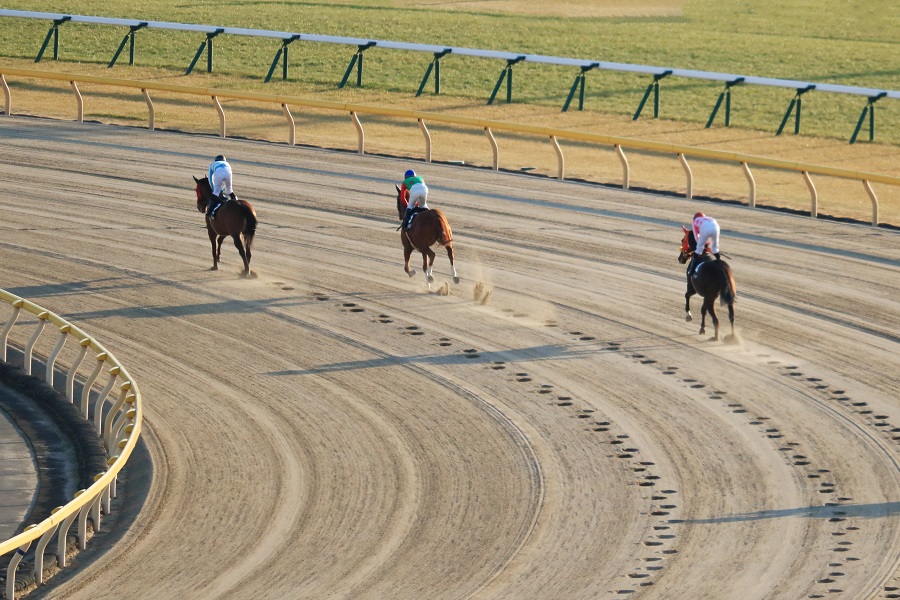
<point x="711" y="278"/>
<point x="236" y="218"/>
<point x="429" y="227"/>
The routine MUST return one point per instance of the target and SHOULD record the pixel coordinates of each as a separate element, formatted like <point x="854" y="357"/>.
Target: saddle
<point x="414" y="211"/>
<point x="699" y="262"/>
<point x="222" y="199"/>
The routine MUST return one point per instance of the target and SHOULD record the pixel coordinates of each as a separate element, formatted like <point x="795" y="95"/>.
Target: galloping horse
<point x="234" y="218"/>
<point x="429" y="227"/>
<point x="710" y="278"/>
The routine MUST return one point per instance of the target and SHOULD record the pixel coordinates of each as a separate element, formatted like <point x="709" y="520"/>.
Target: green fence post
<point x="129" y="39"/>
<point x="505" y="73"/>
<point x="725" y="95"/>
<point x="653" y="87"/>
<point x="357" y="62"/>
<point x="207" y="45"/>
<point x="579" y="83"/>
<point x="434" y="65"/>
<point x="798" y="102"/>
<point x="54" y="33"/>
<point x="869" y="109"/>
<point x="281" y="51"/>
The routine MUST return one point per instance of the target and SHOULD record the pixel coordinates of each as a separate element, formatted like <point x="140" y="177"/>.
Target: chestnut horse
<point x="711" y="278"/>
<point x="429" y="227"/>
<point x="235" y="218"/>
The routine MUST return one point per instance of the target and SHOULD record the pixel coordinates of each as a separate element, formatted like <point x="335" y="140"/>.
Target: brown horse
<point x="235" y="218"/>
<point x="711" y="278"/>
<point x="429" y="227"/>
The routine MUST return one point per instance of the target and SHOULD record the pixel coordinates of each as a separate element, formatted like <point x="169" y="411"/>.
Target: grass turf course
<point x="828" y="41"/>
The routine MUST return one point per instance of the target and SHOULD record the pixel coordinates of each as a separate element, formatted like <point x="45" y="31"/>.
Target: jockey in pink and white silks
<point x="706" y="232"/>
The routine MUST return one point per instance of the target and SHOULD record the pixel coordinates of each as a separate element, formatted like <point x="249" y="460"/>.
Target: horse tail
<point x="444" y="234"/>
<point x="249" y="224"/>
<point x="727" y="290"/>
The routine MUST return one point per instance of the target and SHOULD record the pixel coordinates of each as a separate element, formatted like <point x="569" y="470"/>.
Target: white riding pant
<point x="709" y="233"/>
<point x="418" y="193"/>
<point x="221" y="180"/>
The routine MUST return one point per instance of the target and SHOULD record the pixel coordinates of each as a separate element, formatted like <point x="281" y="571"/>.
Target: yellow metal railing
<point x="489" y="126"/>
<point x="119" y="431"/>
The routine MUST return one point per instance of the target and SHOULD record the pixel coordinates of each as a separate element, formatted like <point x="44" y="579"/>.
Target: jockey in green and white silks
<point x="416" y="192"/>
<point x="220" y="176"/>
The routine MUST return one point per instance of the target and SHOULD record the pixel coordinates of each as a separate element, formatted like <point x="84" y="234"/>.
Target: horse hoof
<point x="411" y="273"/>
<point x="214" y="268"/>
<point x="702" y="330"/>
<point x="688" y="317"/>
<point x="455" y="279"/>
<point x="430" y="279"/>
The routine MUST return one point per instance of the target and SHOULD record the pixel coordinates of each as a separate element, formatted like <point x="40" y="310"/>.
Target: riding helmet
<point x="220" y="158"/>
<point x="408" y="174"/>
<point x="698" y="215"/>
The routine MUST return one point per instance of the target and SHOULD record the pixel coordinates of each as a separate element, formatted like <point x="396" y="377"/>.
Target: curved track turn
<point x="552" y="428"/>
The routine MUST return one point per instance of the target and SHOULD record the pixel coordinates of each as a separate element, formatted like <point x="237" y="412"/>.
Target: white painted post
<point x="152" y="120"/>
<point x="17" y="308"/>
<point x="494" y="148"/>
<point x="80" y="102"/>
<point x="361" y="136"/>
<point x="690" y="177"/>
<point x="39" y="550"/>
<point x="221" y="116"/>
<point x="124" y="391"/>
<point x="62" y="537"/>
<point x="13" y="565"/>
<point x="82" y="525"/>
<point x="6" y="93"/>
<point x="626" y="174"/>
<point x="86" y="391"/>
<point x="290" y="118"/>
<point x="560" y="160"/>
<point x="814" y="196"/>
<point x="427" y="140"/>
<point x="874" y="200"/>
<point x="98" y="403"/>
<point x="752" y="183"/>
<point x="95" y="506"/>
<point x="70" y="380"/>
<point x="51" y="360"/>
<point x="29" y="347"/>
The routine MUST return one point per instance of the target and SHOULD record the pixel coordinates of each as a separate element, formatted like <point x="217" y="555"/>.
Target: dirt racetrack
<point x="551" y="429"/>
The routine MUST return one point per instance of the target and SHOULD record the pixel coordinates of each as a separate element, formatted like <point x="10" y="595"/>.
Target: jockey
<point x="220" y="181"/>
<point x="415" y="191"/>
<point x="706" y="232"/>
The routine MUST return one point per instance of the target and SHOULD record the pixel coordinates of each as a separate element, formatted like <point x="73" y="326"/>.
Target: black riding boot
<point x="232" y="196"/>
<point x="406" y="218"/>
<point x="717" y="256"/>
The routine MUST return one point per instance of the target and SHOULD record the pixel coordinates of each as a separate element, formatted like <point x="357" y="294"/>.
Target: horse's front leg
<point x="219" y="248"/>
<point x="212" y="241"/>
<point x="407" y="255"/>
<point x="687" y="300"/>
<point x="452" y="266"/>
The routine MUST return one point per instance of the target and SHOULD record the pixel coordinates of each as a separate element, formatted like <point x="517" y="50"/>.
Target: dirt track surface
<point x="332" y="430"/>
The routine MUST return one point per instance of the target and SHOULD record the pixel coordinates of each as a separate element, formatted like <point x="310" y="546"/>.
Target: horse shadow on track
<point x="864" y="511"/>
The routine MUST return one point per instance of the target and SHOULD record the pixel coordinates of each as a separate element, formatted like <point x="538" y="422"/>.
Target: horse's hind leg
<point x="428" y="265"/>
<point x="219" y="248"/>
<point x="703" y="310"/>
<point x="452" y="266"/>
<point x="240" y="247"/>
<point x="715" y="318"/>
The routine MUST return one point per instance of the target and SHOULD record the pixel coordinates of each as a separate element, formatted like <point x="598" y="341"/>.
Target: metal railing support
<point x="124" y="391"/>
<point x="283" y="51"/>
<point x="101" y="398"/>
<point x="434" y="65"/>
<point x="874" y="199"/>
<point x="725" y="95"/>
<point x="29" y="347"/>
<point x="152" y="119"/>
<point x="4" y="335"/>
<point x="798" y="102"/>
<point x="13" y="565"/>
<point x="39" y="550"/>
<point x="560" y="159"/>
<point x="293" y="127"/>
<point x="51" y="360"/>
<point x="496" y="151"/>
<point x="427" y="135"/>
<point x="70" y="379"/>
<point x="207" y="45"/>
<point x="653" y="87"/>
<point x="8" y="106"/>
<point x="86" y="390"/>
<point x="360" y="134"/>
<point x="356" y="61"/>
<point x="626" y="175"/>
<point x="79" y="100"/>
<point x="813" y="195"/>
<point x="690" y="176"/>
<point x="54" y="33"/>
<point x="506" y="73"/>
<point x="752" y="183"/>
<point x="579" y="85"/>
<point x="129" y="37"/>
<point x="62" y="538"/>
<point x="221" y="116"/>
<point x="870" y="109"/>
